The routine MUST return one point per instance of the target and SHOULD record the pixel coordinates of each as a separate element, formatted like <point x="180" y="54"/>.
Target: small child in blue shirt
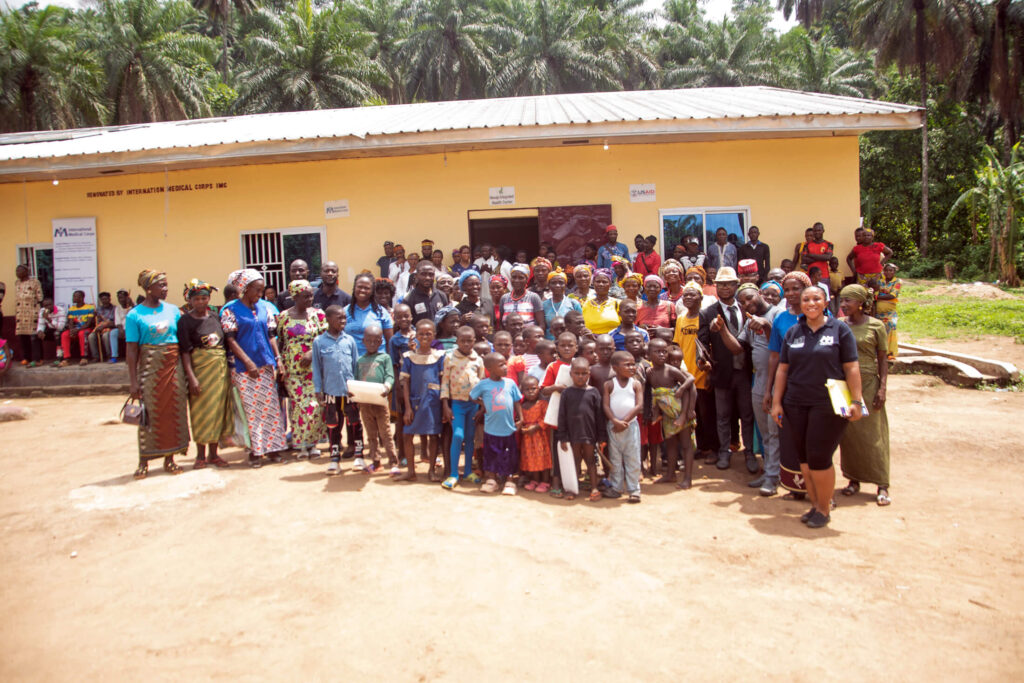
<point x="499" y="399"/>
<point x="334" y="364"/>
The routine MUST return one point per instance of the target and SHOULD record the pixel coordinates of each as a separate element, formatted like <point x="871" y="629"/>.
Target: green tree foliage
<point x="157" y="63"/>
<point x="305" y="60"/>
<point x="50" y="77"/>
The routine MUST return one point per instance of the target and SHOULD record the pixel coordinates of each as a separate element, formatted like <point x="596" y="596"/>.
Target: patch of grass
<point x="946" y="318"/>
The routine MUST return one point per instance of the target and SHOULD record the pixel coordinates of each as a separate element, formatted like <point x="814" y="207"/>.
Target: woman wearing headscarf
<point x="771" y="292"/>
<point x="559" y="304"/>
<point x="887" y="304"/>
<point x="631" y="286"/>
<point x="471" y="285"/>
<point x="582" y="276"/>
<point x="672" y="275"/>
<point x="249" y="325"/>
<point x="601" y="314"/>
<point x="201" y="343"/>
<point x="864" y="449"/>
<point x="527" y="304"/>
<point x="654" y="314"/>
<point x="540" y="268"/>
<point x="620" y="269"/>
<point x="156" y="376"/>
<point x="297" y="328"/>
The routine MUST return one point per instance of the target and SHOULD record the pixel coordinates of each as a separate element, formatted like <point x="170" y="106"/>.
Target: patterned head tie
<point x="296" y="287"/>
<point x="150" y="277"/>
<point x="196" y="287"/>
<point x="243" y="278"/>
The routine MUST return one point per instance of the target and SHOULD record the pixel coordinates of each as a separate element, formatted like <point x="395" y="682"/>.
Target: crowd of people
<point x="556" y="375"/>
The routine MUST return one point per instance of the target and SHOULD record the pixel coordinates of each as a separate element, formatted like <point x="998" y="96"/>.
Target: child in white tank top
<point x="623" y="403"/>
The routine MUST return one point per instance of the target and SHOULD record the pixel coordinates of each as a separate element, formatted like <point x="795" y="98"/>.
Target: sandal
<point x="142" y="471"/>
<point x="883" y="498"/>
<point x="83" y="362"/>
<point x="218" y="461"/>
<point x="531" y="485"/>
<point x="199" y="464"/>
<point x="594" y="496"/>
<point x="570" y="496"/>
<point x="171" y="467"/>
<point x="543" y="487"/>
<point x="851" y="488"/>
<point x="449" y="483"/>
<point x="255" y="462"/>
<point x="557" y="493"/>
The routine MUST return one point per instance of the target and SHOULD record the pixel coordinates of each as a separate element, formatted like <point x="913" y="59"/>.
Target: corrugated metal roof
<point x="693" y="111"/>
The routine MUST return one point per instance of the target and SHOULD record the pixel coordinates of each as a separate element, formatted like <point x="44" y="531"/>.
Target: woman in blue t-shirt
<point x="814" y="350"/>
<point x="249" y="322"/>
<point x="156" y="376"/>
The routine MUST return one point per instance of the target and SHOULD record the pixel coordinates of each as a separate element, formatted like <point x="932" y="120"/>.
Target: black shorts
<point x="811" y="434"/>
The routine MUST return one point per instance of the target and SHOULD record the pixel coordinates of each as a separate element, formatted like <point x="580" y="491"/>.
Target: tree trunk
<point x="224" y="52"/>
<point x="923" y="70"/>
<point x="1007" y="250"/>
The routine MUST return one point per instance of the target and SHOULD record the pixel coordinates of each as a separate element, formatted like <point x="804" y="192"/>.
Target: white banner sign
<point x="336" y="209"/>
<point x="74" y="259"/>
<point x="503" y="196"/>
<point x="642" y="192"/>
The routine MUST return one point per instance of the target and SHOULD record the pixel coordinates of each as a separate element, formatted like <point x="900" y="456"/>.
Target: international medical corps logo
<point x="60" y="232"/>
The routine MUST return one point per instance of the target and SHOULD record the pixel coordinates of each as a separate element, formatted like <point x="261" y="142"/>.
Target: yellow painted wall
<point x="788" y="184"/>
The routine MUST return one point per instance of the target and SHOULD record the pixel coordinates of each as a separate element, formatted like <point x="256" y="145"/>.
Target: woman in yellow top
<point x="601" y="314"/>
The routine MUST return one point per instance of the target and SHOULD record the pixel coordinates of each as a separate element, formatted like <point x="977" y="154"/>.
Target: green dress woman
<point x="297" y="327"/>
<point x="864" y="448"/>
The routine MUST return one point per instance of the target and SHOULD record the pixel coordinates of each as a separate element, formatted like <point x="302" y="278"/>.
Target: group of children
<point x="532" y="417"/>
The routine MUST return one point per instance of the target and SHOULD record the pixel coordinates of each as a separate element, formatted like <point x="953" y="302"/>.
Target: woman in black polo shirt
<point x="817" y="348"/>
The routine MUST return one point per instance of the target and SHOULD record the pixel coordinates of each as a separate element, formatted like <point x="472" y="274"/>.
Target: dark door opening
<point x="512" y="234"/>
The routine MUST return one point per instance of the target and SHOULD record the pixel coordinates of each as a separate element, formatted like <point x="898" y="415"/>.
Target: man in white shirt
<point x="399" y="265"/>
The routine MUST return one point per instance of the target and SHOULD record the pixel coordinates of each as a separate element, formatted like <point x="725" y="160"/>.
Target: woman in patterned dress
<point x="28" y="295"/>
<point x="297" y="327"/>
<point x="887" y="304"/>
<point x="249" y="322"/>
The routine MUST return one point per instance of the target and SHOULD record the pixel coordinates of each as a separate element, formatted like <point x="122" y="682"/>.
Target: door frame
<point x="322" y="229"/>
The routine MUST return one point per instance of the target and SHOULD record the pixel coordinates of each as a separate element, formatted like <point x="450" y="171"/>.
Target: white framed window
<point x="38" y="256"/>
<point x="270" y="252"/>
<point x="701" y="222"/>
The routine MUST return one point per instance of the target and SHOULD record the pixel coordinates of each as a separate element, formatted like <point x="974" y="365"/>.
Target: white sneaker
<point x="334" y="467"/>
<point x="359" y="465"/>
<point x="314" y="452"/>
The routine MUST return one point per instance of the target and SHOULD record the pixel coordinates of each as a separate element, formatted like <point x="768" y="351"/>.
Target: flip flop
<point x="594" y="496"/>
<point x="543" y="487"/>
<point x="449" y="483"/>
<point x="883" y="498"/>
<point x="851" y="488"/>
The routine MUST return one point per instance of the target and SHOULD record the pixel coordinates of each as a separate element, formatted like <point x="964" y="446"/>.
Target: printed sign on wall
<point x="503" y="196"/>
<point x="74" y="259"/>
<point x="337" y="208"/>
<point x="642" y="192"/>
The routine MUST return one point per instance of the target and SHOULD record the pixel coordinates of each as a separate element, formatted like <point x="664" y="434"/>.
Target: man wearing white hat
<point x="730" y="371"/>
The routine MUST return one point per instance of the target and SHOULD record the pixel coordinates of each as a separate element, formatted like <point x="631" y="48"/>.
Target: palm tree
<point x="822" y="67"/>
<point x="726" y="55"/>
<point x="550" y="55"/>
<point x="1000" y="190"/>
<point x="49" y="78"/>
<point x="388" y="23"/>
<point x="451" y="49"/>
<point x="916" y="33"/>
<point x="619" y="29"/>
<point x="807" y="11"/>
<point x="156" y="62"/>
<point x="305" y="60"/>
<point x="220" y="10"/>
<point x="992" y="72"/>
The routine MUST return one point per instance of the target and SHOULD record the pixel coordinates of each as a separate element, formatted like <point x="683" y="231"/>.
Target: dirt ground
<point x="284" y="574"/>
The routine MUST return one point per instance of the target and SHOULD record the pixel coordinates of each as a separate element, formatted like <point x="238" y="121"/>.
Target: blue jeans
<point x="624" y="453"/>
<point x="463" y="431"/>
<point x="769" y="438"/>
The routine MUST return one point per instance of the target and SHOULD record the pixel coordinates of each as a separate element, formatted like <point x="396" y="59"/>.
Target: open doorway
<point x="512" y="233"/>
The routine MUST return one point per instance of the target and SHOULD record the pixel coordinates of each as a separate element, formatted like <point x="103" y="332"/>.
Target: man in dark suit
<point x="757" y="250"/>
<point x="730" y="373"/>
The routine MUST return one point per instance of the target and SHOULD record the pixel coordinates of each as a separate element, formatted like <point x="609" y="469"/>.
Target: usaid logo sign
<point x="643" y="192"/>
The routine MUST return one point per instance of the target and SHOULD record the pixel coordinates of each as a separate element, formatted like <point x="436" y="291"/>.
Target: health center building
<point x="89" y="208"/>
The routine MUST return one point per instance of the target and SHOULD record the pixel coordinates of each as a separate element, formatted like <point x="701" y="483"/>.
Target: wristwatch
<point x="858" y="403"/>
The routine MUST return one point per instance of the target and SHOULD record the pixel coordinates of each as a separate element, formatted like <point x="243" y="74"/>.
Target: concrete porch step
<point x="74" y="380"/>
